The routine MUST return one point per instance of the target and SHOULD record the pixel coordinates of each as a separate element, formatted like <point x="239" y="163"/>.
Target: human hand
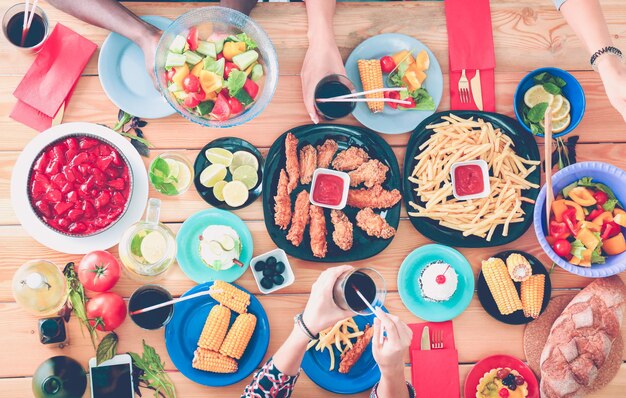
<point x="321" y="311"/>
<point x="613" y="74"/>
<point x="148" y="45"/>
<point x="390" y="353"/>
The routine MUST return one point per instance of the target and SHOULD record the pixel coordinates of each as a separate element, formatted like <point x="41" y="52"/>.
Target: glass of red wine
<point x="368" y="282"/>
<point x="334" y="86"/>
<point x="13" y="28"/>
<point x="147" y="296"/>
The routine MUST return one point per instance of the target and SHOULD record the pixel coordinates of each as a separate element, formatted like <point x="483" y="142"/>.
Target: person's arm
<point x="244" y="6"/>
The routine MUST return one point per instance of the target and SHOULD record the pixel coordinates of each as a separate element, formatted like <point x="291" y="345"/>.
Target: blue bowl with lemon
<point x="556" y="88"/>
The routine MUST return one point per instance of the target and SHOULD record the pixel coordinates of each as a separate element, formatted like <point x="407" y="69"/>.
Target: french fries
<point x="336" y="337"/>
<point x="456" y="140"/>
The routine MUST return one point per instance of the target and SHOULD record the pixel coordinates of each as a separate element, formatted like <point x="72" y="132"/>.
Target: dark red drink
<point x="35" y="34"/>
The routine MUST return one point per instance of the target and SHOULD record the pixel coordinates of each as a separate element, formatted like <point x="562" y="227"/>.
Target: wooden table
<point x="527" y="35"/>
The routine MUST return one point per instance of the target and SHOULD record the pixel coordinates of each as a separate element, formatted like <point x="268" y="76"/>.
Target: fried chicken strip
<point x="300" y="219"/>
<point x="318" y="232"/>
<point x="351" y="356"/>
<point x="373" y="224"/>
<point x="376" y="198"/>
<point x="308" y="164"/>
<point x="370" y="173"/>
<point x="343" y="233"/>
<point x="282" y="202"/>
<point x="350" y="159"/>
<point x="291" y="162"/>
<point x="325" y="153"/>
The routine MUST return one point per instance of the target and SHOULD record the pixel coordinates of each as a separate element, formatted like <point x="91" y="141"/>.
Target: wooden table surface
<point x="527" y="35"/>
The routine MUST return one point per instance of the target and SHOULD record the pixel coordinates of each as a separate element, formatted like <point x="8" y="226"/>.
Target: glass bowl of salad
<point x="587" y="229"/>
<point x="216" y="67"/>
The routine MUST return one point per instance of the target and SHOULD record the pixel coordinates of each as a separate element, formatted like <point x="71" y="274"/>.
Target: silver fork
<point x="437" y="340"/>
<point x="464" y="88"/>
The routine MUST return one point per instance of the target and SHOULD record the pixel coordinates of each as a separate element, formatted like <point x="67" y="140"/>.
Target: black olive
<point x="278" y="279"/>
<point x="267" y="283"/>
<point x="271" y="261"/>
<point x="260" y="266"/>
<point x="280" y="267"/>
<point x="268" y="272"/>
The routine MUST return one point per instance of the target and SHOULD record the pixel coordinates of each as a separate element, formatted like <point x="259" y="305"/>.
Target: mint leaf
<point x="537" y="112"/>
<point x="536" y="129"/>
<point x="552" y="88"/>
<point x="159" y="171"/>
<point x="559" y="82"/>
<point x="235" y="82"/>
<point x="540" y="77"/>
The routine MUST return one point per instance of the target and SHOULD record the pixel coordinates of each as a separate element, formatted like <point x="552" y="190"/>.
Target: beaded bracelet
<point x="605" y="50"/>
<point x="300" y="322"/>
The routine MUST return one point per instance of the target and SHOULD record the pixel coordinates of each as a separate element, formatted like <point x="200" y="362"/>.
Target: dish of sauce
<point x="468" y="180"/>
<point x="328" y="189"/>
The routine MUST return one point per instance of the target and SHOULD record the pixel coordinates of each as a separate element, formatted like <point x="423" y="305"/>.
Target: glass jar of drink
<point x="171" y="173"/>
<point x="366" y="281"/>
<point x="148" y="248"/>
<point x="334" y="86"/>
<point x="40" y="288"/>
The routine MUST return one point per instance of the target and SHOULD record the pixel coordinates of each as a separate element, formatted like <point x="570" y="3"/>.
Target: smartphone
<point x="112" y="378"/>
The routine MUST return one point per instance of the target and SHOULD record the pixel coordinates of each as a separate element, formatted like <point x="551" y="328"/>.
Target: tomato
<point x="595" y="213"/>
<point x="200" y="95"/>
<point x="610" y="229"/>
<point x="558" y="230"/>
<point x="251" y="88"/>
<point x="392" y="95"/>
<point x="191" y="101"/>
<point x="411" y="100"/>
<point x="221" y="110"/>
<point x="106" y="311"/>
<point x="228" y="67"/>
<point x="170" y="74"/>
<point x="219" y="56"/>
<point x="192" y="39"/>
<point x="600" y="197"/>
<point x="569" y="218"/>
<point x="562" y="247"/>
<point x="191" y="84"/>
<point x="387" y="64"/>
<point x="235" y="105"/>
<point x="98" y="271"/>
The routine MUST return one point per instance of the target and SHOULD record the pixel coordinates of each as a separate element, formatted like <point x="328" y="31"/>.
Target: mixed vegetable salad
<point x="586" y="223"/>
<point x="405" y="71"/>
<point x="216" y="78"/>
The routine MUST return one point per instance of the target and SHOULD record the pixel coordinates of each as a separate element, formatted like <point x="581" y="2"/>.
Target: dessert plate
<point x="411" y="291"/>
<point x="500" y="361"/>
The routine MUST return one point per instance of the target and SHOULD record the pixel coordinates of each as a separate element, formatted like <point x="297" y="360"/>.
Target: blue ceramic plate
<point x="188" y="255"/>
<point x="123" y="76"/>
<point x="363" y="375"/>
<point x="393" y="121"/>
<point x="411" y="293"/>
<point x="183" y="331"/>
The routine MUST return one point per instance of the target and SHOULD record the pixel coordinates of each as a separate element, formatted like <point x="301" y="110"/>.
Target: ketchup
<point x="328" y="189"/>
<point x="468" y="180"/>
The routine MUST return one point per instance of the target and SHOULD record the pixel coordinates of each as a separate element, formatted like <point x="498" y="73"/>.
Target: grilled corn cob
<point x="211" y="361"/>
<point x="532" y="295"/>
<point x="230" y="296"/>
<point x="519" y="267"/>
<point x="372" y="78"/>
<point x="238" y="336"/>
<point x="501" y="286"/>
<point x="215" y="328"/>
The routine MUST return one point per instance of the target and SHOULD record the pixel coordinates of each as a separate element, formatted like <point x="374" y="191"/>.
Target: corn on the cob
<point x="233" y="298"/>
<point x="211" y="361"/>
<point x="532" y="295"/>
<point x="238" y="336"/>
<point x="215" y="328"/>
<point x="372" y="78"/>
<point x="501" y="286"/>
<point x="519" y="267"/>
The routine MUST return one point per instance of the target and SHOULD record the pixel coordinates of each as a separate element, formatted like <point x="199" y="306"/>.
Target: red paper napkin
<point x="51" y="79"/>
<point x="470" y="44"/>
<point x="435" y="373"/>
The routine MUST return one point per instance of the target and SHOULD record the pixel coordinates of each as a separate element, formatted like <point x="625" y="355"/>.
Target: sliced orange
<point x="403" y="55"/>
<point x="210" y="82"/>
<point x="422" y="60"/>
<point x="197" y="69"/>
<point x="411" y="79"/>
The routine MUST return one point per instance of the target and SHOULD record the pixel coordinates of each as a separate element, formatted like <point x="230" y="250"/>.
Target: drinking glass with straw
<point x="25" y="26"/>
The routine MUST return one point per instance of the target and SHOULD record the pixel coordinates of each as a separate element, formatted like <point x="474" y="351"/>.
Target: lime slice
<point x="242" y="158"/>
<point x="153" y="247"/>
<point x="247" y="175"/>
<point x="218" y="190"/>
<point x="212" y="175"/>
<point x="235" y="193"/>
<point x="562" y="112"/>
<point x="183" y="178"/>
<point x="227" y="242"/>
<point x="536" y="95"/>
<point x="175" y="167"/>
<point x="559" y="125"/>
<point x="215" y="248"/>
<point x="135" y="243"/>
<point x="219" y="156"/>
<point x="557" y="103"/>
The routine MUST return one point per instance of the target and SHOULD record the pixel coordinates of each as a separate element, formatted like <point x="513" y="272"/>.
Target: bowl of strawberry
<point x="216" y="67"/>
<point x="587" y="227"/>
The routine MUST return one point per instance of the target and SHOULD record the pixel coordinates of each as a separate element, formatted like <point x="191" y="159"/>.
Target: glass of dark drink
<point x="367" y="281"/>
<point x="147" y="296"/>
<point x="13" y="28"/>
<point x="334" y="86"/>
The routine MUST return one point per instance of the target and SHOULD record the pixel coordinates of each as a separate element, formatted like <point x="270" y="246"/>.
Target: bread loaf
<point x="581" y="337"/>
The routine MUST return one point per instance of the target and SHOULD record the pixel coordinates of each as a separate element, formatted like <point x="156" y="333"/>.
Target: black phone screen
<point x="112" y="381"/>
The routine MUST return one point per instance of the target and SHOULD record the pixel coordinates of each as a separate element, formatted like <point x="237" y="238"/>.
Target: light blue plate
<point x="183" y="331"/>
<point x="188" y="255"/>
<point x="393" y="121"/>
<point x="124" y="78"/>
<point x="411" y="293"/>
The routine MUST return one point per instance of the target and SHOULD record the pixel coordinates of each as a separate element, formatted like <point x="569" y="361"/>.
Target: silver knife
<point x="425" y="345"/>
<point x="477" y="91"/>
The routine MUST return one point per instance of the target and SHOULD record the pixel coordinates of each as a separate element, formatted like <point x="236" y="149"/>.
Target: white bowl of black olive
<point x="272" y="271"/>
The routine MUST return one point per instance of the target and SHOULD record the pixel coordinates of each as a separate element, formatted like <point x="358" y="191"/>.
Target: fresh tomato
<point x="609" y="230"/>
<point x="251" y="88"/>
<point x="562" y="247"/>
<point x="191" y="84"/>
<point x="411" y="100"/>
<point x="200" y="95"/>
<point x="595" y="213"/>
<point x="98" y="271"/>
<point x="191" y="101"/>
<point x="219" y="56"/>
<point x="392" y="95"/>
<point x="387" y="64"/>
<point x="235" y="105"/>
<point x="221" y="110"/>
<point x="170" y="74"/>
<point x="106" y="311"/>
<point x="192" y="39"/>
<point x="601" y="197"/>
<point x="558" y="230"/>
<point x="569" y="218"/>
<point x="229" y="66"/>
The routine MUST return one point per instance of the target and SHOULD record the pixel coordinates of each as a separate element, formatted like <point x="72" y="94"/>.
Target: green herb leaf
<point x="154" y="376"/>
<point x="395" y="80"/>
<point x="552" y="268"/>
<point x="552" y="88"/>
<point x="107" y="348"/>
<point x="160" y="170"/>
<point x="135" y="138"/>
<point x="540" y="77"/>
<point x="76" y="296"/>
<point x="235" y="81"/>
<point x="559" y="82"/>
<point x="537" y="112"/>
<point x="536" y="129"/>
<point x="609" y="205"/>
<point x="577" y="249"/>
<point x="122" y="121"/>
<point x="135" y="245"/>
<point x="250" y="44"/>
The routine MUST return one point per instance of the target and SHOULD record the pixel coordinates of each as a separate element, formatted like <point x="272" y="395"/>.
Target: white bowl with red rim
<point x="473" y="164"/>
<point x="339" y="179"/>
<point x="76" y="243"/>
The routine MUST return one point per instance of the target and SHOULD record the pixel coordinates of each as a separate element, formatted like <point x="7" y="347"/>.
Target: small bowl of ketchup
<point x="329" y="188"/>
<point x="470" y="179"/>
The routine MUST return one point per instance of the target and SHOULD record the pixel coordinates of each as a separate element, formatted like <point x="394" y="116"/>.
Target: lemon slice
<point x="247" y="175"/>
<point x="562" y="112"/>
<point x="219" y="156"/>
<point x="536" y="95"/>
<point x="559" y="125"/>
<point x="235" y="193"/>
<point x="153" y="247"/>
<point x="184" y="177"/>
<point x="212" y="175"/>
<point x="243" y="158"/>
<point x="218" y="190"/>
<point x="174" y="166"/>
<point x="556" y="104"/>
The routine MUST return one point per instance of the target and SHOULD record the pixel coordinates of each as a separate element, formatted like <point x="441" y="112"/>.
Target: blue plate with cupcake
<point x="436" y="282"/>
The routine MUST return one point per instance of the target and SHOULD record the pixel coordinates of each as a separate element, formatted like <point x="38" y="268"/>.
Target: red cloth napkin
<point x="470" y="44"/>
<point x="435" y="373"/>
<point x="51" y="79"/>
